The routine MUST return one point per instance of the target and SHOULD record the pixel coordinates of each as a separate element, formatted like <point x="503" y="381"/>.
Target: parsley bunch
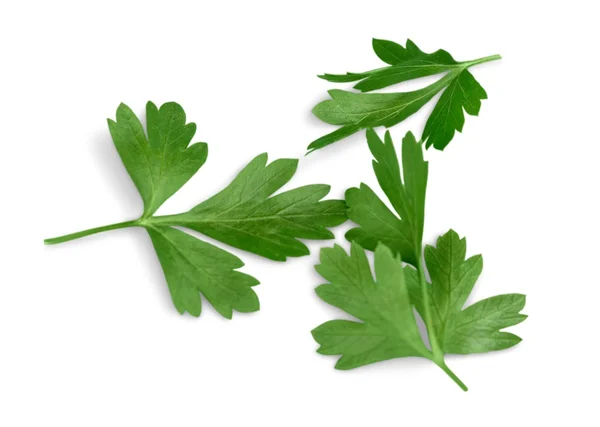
<point x="409" y="279"/>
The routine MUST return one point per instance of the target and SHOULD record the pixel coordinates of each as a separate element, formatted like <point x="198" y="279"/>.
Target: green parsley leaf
<point x="384" y="306"/>
<point x="404" y="189"/>
<point x="245" y="214"/>
<point x="405" y="64"/>
<point x="389" y="329"/>
<point x="161" y="163"/>
<point x="463" y="92"/>
<point x="355" y="111"/>
<point x="475" y="329"/>
<point x="192" y="266"/>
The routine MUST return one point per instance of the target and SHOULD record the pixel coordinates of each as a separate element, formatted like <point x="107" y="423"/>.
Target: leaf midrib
<point x="399" y="107"/>
<point x="179" y="219"/>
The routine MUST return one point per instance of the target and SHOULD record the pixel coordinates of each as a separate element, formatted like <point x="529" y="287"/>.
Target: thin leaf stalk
<point x="438" y="354"/>
<point x="482" y="60"/>
<point x="89" y="232"/>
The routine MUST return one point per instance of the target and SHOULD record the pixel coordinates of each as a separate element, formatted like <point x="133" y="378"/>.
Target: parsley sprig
<point x="245" y="214"/>
<point x="384" y="303"/>
<point x="355" y="111"/>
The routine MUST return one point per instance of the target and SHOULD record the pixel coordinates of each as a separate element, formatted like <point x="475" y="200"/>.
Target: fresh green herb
<point x="377" y="223"/>
<point x="245" y="214"/>
<point x="356" y="111"/>
<point x="389" y="329"/>
<point x="475" y="329"/>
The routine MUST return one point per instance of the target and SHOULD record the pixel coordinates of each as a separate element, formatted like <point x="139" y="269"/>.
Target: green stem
<point x="91" y="231"/>
<point x="482" y="60"/>
<point x="438" y="354"/>
<point x="435" y="347"/>
<point x="452" y="375"/>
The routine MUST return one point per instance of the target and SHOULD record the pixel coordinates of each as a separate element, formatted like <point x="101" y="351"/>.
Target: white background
<point x="88" y="333"/>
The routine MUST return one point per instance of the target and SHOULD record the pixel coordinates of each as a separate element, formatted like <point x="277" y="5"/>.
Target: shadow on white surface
<point x="109" y="162"/>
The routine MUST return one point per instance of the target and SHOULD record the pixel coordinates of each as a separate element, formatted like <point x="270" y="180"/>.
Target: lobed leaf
<point x="388" y="329"/>
<point x="354" y="111"/>
<point x="244" y="216"/>
<point x="477" y="328"/>
<point x="192" y="266"/>
<point x="463" y="93"/>
<point x="405" y="189"/>
<point x="405" y="64"/>
<point x="163" y="162"/>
